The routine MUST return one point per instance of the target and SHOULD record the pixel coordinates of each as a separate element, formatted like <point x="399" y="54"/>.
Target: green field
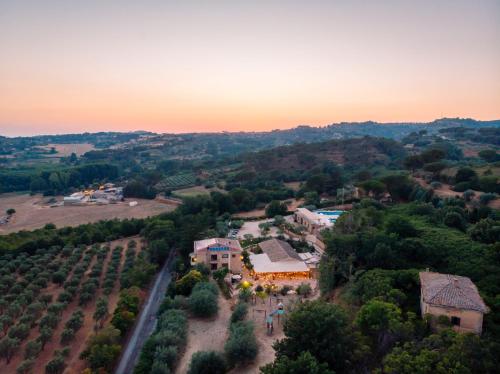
<point x="177" y="181"/>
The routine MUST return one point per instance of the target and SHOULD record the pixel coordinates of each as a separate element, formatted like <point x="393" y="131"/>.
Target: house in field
<point x="278" y="260"/>
<point x="218" y="253"/>
<point x="452" y="296"/>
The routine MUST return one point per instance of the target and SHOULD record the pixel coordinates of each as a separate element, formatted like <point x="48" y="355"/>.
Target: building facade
<point x="454" y="297"/>
<point x="217" y="253"/>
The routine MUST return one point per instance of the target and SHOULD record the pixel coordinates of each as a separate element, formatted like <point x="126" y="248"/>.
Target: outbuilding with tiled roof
<point x="453" y="296"/>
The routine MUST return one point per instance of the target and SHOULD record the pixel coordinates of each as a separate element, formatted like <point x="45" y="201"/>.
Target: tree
<point x="486" y="231"/>
<point x="45" y="335"/>
<point x="10" y="211"/>
<point x="101" y="311"/>
<point x="32" y="350"/>
<point x="413" y="162"/>
<point x="304" y="364"/>
<point x="209" y="362"/>
<point x="241" y="347"/>
<point x="373" y="186"/>
<point x="454" y="219"/>
<point x="103" y="349"/>
<point x="239" y="312"/>
<point x="304" y="289"/>
<point x="381" y="321"/>
<point x="220" y="274"/>
<point x="19" y="331"/>
<point x="489" y="155"/>
<point x="185" y="285"/>
<point x="56" y="365"/>
<point x="203" y="303"/>
<point x="67" y="336"/>
<point x="275" y="208"/>
<point x="465" y="174"/>
<point x="8" y="346"/>
<point x="321" y="327"/>
<point x="311" y="198"/>
<point x="25" y="367"/>
<point x="401" y="226"/>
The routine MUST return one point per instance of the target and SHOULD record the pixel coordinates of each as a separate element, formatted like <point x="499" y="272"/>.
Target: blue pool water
<point x="330" y="212"/>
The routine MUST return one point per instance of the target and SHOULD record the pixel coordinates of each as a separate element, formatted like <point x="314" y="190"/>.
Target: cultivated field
<point x="33" y="212"/>
<point x="87" y="274"/>
<point x="195" y="191"/>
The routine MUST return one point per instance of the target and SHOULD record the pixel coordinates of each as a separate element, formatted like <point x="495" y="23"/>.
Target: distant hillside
<point x="350" y="153"/>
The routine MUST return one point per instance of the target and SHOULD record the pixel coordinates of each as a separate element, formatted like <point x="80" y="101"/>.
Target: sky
<point x="186" y="66"/>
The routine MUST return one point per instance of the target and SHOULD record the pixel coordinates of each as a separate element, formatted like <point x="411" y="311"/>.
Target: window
<point x="233" y="255"/>
<point x="213" y="257"/>
<point x="224" y="265"/>
<point x="213" y="266"/>
<point x="225" y="255"/>
<point x="455" y="321"/>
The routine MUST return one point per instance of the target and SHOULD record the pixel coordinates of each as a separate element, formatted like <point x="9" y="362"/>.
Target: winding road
<point x="147" y="320"/>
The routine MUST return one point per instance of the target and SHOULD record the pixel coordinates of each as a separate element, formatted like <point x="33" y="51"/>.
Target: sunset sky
<point x="234" y="65"/>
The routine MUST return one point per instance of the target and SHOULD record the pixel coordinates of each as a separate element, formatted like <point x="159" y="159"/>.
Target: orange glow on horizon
<point x="124" y="66"/>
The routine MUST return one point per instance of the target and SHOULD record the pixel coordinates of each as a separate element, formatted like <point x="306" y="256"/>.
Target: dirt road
<point x="147" y="321"/>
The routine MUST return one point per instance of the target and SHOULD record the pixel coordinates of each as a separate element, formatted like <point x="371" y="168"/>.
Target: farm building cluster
<point x="106" y="194"/>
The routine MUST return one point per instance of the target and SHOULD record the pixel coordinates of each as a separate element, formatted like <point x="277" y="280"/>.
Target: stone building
<point x="452" y="296"/>
<point x="217" y="253"/>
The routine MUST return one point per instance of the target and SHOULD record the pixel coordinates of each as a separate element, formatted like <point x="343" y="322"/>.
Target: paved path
<point x="147" y="321"/>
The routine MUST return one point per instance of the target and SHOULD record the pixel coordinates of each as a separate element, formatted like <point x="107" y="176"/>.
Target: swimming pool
<point x="330" y="212"/>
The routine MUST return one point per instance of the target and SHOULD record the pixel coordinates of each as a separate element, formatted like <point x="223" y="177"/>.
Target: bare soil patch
<point x="257" y="213"/>
<point x="33" y="212"/>
<point x="206" y="334"/>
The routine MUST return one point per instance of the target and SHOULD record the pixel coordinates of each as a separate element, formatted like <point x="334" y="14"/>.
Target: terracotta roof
<point x="202" y="244"/>
<point x="278" y="250"/>
<point x="451" y="291"/>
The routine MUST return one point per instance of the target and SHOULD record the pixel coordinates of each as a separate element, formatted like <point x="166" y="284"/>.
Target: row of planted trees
<point x="28" y="309"/>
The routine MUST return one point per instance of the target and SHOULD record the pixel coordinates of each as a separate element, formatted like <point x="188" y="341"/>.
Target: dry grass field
<point x="194" y="191"/>
<point x="33" y="212"/>
<point x="65" y="150"/>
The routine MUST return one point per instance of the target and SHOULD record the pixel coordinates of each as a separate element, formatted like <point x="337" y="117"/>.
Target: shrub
<point x="241" y="347"/>
<point x="284" y="290"/>
<point x="245" y="294"/>
<point x="203" y="303"/>
<point x="185" y="285"/>
<point x="485" y="198"/>
<point x="239" y="313"/>
<point x="304" y="289"/>
<point x="207" y="363"/>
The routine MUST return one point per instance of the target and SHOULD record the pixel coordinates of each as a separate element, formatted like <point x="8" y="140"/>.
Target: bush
<point x="241" y="347"/>
<point x="185" y="285"/>
<point x="485" y="198"/>
<point x="239" y="312"/>
<point x="304" y="289"/>
<point x="245" y="294"/>
<point x="203" y="303"/>
<point x="207" y="363"/>
<point x="284" y="290"/>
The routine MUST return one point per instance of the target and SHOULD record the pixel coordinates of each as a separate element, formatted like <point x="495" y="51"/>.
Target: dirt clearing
<point x="206" y="334"/>
<point x="33" y="212"/>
